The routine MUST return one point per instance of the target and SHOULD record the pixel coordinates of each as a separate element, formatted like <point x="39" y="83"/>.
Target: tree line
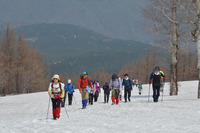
<point x="21" y="66"/>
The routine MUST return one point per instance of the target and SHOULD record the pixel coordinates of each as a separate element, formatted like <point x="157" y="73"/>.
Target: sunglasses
<point x="55" y="79"/>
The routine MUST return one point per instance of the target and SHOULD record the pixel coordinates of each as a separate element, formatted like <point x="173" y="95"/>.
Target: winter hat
<point x="96" y="80"/>
<point x="117" y="75"/>
<point x="84" y="73"/>
<point x="126" y="74"/>
<point x="56" y="76"/>
<point x="157" y="68"/>
<point x="114" y="77"/>
<point x="69" y="81"/>
<point x="107" y="84"/>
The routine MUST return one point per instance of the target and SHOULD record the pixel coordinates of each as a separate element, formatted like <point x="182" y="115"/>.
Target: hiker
<point x="140" y="87"/>
<point x="155" y="79"/>
<point x="62" y="102"/>
<point x="96" y="90"/>
<point x="56" y="92"/>
<point x="106" y="92"/>
<point x="84" y="86"/>
<point x="115" y="87"/>
<point x="127" y="83"/>
<point x="70" y="90"/>
<point x="161" y="82"/>
<point x="120" y="94"/>
<point x="136" y="82"/>
<point x="133" y="81"/>
<point x="91" y="94"/>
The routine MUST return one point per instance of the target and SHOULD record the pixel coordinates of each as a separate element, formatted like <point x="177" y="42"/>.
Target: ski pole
<point x="66" y="112"/>
<point x="149" y="93"/>
<point x="48" y="108"/>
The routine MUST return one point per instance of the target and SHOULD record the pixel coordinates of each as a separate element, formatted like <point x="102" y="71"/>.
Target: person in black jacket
<point x="106" y="92"/>
<point x="155" y="78"/>
<point x="127" y="83"/>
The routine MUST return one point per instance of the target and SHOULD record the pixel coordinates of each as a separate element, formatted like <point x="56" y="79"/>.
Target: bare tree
<point x="168" y="21"/>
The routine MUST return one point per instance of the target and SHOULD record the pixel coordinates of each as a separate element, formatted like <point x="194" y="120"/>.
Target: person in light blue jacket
<point x="70" y="90"/>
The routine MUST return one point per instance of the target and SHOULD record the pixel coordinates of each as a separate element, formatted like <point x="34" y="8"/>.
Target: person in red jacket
<point x="84" y="86"/>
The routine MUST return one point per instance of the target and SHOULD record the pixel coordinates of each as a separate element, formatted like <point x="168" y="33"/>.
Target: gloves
<point x="110" y="89"/>
<point x="149" y="82"/>
<point x="118" y="86"/>
<point x="119" y="91"/>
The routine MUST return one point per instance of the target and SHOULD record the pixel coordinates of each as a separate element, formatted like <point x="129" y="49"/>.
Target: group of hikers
<point x="90" y="90"/>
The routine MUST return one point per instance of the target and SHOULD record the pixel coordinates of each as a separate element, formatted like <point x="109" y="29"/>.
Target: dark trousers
<point x="156" y="93"/>
<point x="55" y="103"/>
<point x="91" y="98"/>
<point x="96" y="97"/>
<point x="127" y="92"/>
<point x="106" y="97"/>
<point x="70" y="96"/>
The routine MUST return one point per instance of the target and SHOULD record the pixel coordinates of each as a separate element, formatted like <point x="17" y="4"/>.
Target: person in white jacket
<point x="115" y="87"/>
<point x="56" y="92"/>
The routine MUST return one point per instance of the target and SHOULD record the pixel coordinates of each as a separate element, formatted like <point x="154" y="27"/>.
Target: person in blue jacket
<point x="70" y="90"/>
<point x="127" y="83"/>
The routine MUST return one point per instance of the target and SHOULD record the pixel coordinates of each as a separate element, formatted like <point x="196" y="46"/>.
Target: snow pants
<point x="156" y="93"/>
<point x="70" y="96"/>
<point x="91" y="98"/>
<point x="56" y="107"/>
<point x="115" y="96"/>
<point x="96" y="97"/>
<point x="106" y="97"/>
<point x="85" y="97"/>
<point x="127" y="92"/>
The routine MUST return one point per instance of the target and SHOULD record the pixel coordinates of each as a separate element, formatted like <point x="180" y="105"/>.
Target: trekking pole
<point x="149" y="93"/>
<point x="74" y="100"/>
<point x="66" y="112"/>
<point x="162" y="94"/>
<point x="48" y="109"/>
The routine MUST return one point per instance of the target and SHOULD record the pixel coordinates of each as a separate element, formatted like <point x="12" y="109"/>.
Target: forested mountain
<point x="68" y="48"/>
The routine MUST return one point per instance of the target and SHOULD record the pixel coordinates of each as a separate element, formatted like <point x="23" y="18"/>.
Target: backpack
<point x="59" y="86"/>
<point x="82" y="81"/>
<point x="114" y="77"/>
<point x="159" y="74"/>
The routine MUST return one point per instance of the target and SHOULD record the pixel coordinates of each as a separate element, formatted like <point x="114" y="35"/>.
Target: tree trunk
<point x="174" y="85"/>
<point x="198" y="43"/>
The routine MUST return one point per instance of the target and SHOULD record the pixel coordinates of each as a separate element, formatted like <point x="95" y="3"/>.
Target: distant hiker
<point x="155" y="78"/>
<point x="120" y="94"/>
<point x="106" y="92"/>
<point x="133" y="81"/>
<point x="136" y="82"/>
<point x="127" y="83"/>
<point x="115" y="87"/>
<point x="70" y="90"/>
<point x="96" y="90"/>
<point x="84" y="86"/>
<point x="140" y="87"/>
<point x="56" y="92"/>
<point x="91" y="94"/>
<point x="161" y="82"/>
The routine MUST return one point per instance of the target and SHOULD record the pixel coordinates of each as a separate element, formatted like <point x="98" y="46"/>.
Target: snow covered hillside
<point x="176" y="114"/>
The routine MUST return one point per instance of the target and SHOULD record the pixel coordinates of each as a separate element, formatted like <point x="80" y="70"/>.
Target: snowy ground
<point x="177" y="114"/>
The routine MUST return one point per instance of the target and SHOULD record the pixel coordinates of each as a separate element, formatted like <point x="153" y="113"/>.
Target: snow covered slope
<point x="176" y="114"/>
